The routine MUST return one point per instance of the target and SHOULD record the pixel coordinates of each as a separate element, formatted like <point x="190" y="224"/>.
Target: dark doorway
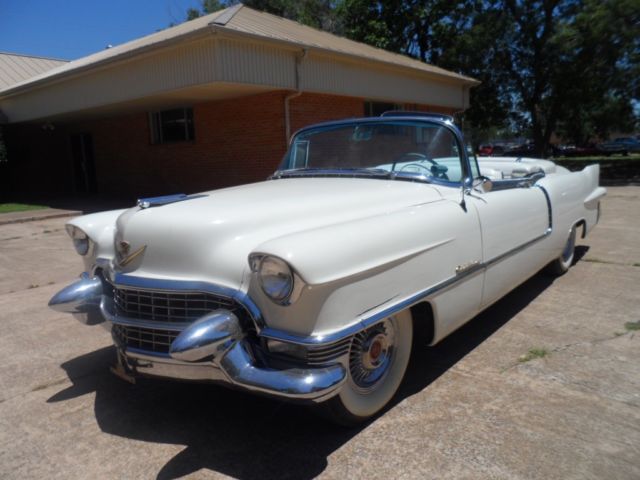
<point x="83" y="163"/>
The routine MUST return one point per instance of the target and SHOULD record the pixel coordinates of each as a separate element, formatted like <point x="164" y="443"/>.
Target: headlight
<point x="81" y="240"/>
<point x="275" y="277"/>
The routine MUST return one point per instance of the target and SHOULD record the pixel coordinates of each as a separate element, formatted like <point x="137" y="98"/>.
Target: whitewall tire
<point x="561" y="264"/>
<point x="378" y="360"/>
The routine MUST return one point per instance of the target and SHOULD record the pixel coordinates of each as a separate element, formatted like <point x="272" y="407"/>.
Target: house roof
<point x="15" y="68"/>
<point x="241" y="21"/>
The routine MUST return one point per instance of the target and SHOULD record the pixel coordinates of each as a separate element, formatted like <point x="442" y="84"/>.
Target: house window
<point x="170" y="126"/>
<point x="375" y="109"/>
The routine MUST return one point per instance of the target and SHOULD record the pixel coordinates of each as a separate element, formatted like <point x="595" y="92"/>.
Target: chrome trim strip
<point x="513" y="251"/>
<point x="242" y="298"/>
<point x="370" y="320"/>
<point x="313" y="340"/>
<point x="165" y="199"/>
<point x="550" y="210"/>
<point x="162" y="200"/>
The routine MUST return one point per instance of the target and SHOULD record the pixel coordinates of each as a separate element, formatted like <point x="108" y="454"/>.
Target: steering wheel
<point x="413" y="157"/>
<point x="436" y="170"/>
<point x="410" y="167"/>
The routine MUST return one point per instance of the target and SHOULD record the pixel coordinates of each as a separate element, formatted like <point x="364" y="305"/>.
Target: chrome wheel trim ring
<point x="371" y="356"/>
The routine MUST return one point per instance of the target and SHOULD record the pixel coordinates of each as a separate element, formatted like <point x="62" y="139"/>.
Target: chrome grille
<point x="167" y="306"/>
<point x="315" y="356"/>
<point x="163" y="306"/>
<point x="324" y="354"/>
<point x="148" y="339"/>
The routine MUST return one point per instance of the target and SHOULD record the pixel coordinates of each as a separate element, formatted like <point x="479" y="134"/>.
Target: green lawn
<point x="18" y="207"/>
<point x="599" y="158"/>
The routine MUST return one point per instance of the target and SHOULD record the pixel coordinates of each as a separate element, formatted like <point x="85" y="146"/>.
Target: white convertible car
<point x="310" y="286"/>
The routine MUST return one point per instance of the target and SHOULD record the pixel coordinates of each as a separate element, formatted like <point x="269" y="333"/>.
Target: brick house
<point x="206" y="104"/>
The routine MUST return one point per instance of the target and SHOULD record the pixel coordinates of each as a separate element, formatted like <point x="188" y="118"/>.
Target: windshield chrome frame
<point x="467" y="175"/>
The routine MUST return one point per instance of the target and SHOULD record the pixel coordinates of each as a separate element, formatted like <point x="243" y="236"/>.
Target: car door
<point x="514" y="223"/>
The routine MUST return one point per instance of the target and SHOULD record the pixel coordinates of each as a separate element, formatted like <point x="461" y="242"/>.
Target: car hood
<point x="209" y="236"/>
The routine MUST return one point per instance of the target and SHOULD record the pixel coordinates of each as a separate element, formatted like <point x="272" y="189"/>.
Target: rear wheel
<point x="378" y="360"/>
<point x="561" y="264"/>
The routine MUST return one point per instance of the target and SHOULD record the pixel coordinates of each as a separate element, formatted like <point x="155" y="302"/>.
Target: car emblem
<point x="124" y="258"/>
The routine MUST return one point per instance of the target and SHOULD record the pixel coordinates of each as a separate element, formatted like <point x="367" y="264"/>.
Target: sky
<point x="70" y="29"/>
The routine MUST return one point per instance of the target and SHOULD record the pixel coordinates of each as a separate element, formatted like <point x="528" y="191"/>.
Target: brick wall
<point x="236" y="141"/>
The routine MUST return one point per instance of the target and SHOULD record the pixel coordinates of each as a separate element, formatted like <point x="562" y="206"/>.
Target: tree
<point x="207" y="7"/>
<point x="545" y="65"/>
<point x="315" y="13"/>
<point x="568" y="66"/>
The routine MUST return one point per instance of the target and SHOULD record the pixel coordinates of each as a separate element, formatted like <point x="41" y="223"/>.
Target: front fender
<point x="101" y="228"/>
<point x="355" y="268"/>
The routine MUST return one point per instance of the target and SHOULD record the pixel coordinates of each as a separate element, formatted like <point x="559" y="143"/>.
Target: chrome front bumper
<point x="213" y="348"/>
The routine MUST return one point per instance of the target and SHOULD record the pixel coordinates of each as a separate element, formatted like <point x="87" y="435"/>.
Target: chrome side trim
<point x="372" y="319"/>
<point x="513" y="251"/>
<point x="420" y="296"/>
<point x="242" y="298"/>
<point x="549" y="209"/>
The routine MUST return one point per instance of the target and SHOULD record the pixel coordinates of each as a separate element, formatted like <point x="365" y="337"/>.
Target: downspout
<point x="297" y="93"/>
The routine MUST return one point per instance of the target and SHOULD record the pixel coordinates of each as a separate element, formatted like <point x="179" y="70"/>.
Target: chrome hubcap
<point x="372" y="353"/>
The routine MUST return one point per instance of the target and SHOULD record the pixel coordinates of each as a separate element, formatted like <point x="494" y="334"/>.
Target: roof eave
<point x="127" y="55"/>
<point x="233" y="33"/>
<point x="217" y="28"/>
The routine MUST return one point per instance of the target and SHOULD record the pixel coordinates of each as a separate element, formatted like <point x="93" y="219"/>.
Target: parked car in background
<point x="313" y="286"/>
<point x="623" y="145"/>
<point x="522" y="150"/>
<point x="489" y="149"/>
<point x="575" y="151"/>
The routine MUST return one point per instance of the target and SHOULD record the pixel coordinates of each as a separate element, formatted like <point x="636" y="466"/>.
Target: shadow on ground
<point x="249" y="437"/>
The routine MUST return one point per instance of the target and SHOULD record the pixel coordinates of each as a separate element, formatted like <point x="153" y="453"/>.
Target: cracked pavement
<point x="468" y="408"/>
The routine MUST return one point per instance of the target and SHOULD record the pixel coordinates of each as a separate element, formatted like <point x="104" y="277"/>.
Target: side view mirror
<point x="482" y="184"/>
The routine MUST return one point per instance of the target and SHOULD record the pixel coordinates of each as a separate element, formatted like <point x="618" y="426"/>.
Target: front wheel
<point x="561" y="264"/>
<point x="378" y="360"/>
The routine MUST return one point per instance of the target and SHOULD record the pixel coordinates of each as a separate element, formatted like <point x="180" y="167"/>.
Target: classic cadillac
<point x="313" y="285"/>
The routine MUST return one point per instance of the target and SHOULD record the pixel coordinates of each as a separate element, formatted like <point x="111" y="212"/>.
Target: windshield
<point x="403" y="148"/>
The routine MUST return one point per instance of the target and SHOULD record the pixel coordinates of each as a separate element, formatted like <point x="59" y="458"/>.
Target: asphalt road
<point x="468" y="407"/>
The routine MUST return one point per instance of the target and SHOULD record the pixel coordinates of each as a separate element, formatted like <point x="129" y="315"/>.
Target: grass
<point x="18" y="207"/>
<point x="533" y="353"/>
<point x="598" y="158"/>
<point x="632" y="326"/>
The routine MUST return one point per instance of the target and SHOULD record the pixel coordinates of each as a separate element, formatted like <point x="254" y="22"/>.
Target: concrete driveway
<point x="469" y="408"/>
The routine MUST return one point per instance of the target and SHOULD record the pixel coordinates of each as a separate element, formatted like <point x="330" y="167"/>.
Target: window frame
<point x="156" y="126"/>
<point x="368" y="107"/>
<point x="466" y="170"/>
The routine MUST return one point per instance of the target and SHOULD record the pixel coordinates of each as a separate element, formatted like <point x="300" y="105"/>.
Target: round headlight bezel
<point x="81" y="241"/>
<point x="276" y="278"/>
